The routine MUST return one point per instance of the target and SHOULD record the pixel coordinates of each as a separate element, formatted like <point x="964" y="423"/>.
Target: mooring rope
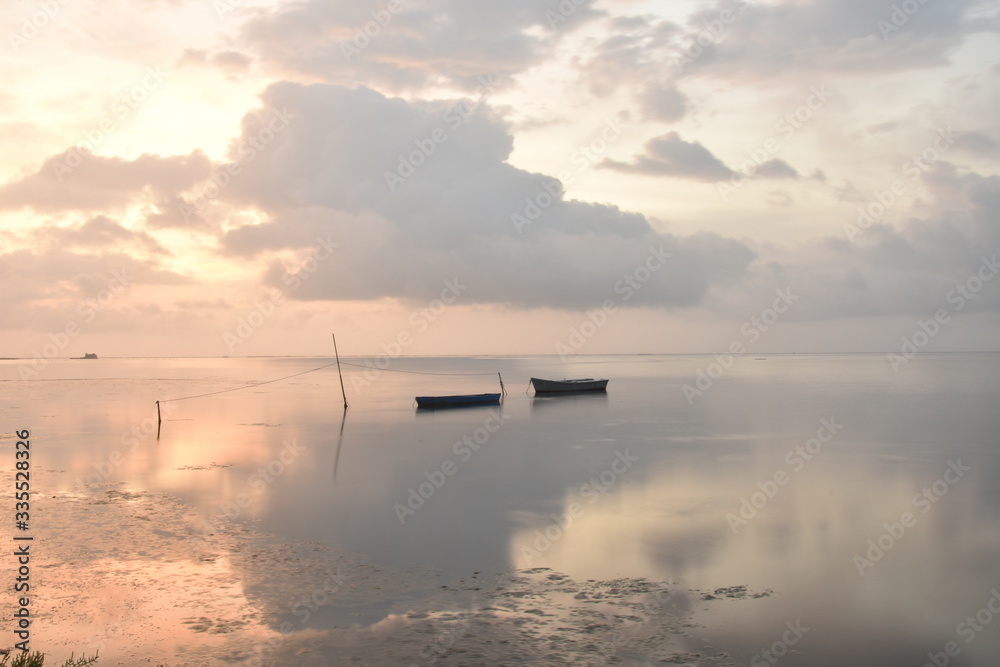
<point x="248" y="386"/>
<point x="396" y="370"/>
<point x="311" y="370"/>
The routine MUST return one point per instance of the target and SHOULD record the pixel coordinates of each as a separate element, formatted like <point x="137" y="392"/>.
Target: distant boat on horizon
<point x="87" y="355"/>
<point x="582" y="384"/>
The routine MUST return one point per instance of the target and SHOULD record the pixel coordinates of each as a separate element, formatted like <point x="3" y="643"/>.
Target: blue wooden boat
<point x="582" y="384"/>
<point x="457" y="401"/>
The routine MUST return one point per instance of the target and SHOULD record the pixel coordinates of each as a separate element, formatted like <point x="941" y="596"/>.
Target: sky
<point x="246" y="177"/>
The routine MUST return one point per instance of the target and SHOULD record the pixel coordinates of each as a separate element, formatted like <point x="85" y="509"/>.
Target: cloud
<point x="662" y="101"/>
<point x="463" y="213"/>
<point x="633" y="54"/>
<point x="818" y="36"/>
<point x="228" y="61"/>
<point x="778" y="198"/>
<point x="906" y="268"/>
<point x="178" y="213"/>
<point x="416" y="191"/>
<point x="669" y="155"/>
<point x="77" y="180"/>
<point x="636" y="57"/>
<point x="738" y="41"/>
<point x="98" y="232"/>
<point x="438" y="42"/>
<point x="51" y="286"/>
<point x="776" y="168"/>
<point x="977" y="142"/>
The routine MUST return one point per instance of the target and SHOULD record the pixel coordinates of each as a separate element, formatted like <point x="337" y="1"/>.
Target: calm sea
<point x="788" y="509"/>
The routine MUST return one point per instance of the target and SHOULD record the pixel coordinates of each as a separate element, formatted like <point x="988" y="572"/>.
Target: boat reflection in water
<point x="461" y="401"/>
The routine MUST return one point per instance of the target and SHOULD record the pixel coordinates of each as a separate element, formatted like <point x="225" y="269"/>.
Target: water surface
<point x="386" y="521"/>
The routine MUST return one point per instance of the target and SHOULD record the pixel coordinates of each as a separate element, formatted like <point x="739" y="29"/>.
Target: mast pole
<point x="342" y="392"/>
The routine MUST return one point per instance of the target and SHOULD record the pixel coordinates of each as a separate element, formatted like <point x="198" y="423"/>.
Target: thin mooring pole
<point x="502" y="390"/>
<point x="158" y="420"/>
<point x="343" y="393"/>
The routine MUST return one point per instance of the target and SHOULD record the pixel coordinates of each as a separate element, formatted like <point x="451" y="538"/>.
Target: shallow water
<point x="264" y="526"/>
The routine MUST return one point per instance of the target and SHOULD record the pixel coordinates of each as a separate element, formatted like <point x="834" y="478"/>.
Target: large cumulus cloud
<point x="416" y="193"/>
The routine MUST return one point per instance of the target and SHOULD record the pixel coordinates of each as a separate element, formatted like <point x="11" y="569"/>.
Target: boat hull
<point x="552" y="386"/>
<point x="457" y="401"/>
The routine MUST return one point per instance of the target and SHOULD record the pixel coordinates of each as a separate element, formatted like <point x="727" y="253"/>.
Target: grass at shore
<point x="37" y="659"/>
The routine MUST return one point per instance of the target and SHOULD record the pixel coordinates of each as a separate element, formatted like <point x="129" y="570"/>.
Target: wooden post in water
<point x="342" y="392"/>
<point x="502" y="390"/>
<point x="158" y="420"/>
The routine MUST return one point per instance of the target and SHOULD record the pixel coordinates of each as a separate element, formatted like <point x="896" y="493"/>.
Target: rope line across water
<point x="396" y="370"/>
<point x="312" y="370"/>
<point x="248" y="386"/>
